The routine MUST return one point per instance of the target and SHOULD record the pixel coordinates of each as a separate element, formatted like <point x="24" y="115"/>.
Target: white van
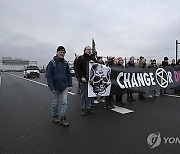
<point x="31" y="71"/>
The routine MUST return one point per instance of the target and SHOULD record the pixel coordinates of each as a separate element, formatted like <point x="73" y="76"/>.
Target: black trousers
<point x="109" y="100"/>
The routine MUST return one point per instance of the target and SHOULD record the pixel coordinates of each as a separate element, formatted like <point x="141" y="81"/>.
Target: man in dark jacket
<point x="76" y="74"/>
<point x="59" y="82"/>
<point x="130" y="64"/>
<point x="173" y="64"/>
<point x="120" y="65"/>
<point x="109" y="99"/>
<point x="142" y="64"/>
<point x="165" y="63"/>
<point x="153" y="93"/>
<point x="75" y="65"/>
<point x="82" y="73"/>
<point x="178" y="62"/>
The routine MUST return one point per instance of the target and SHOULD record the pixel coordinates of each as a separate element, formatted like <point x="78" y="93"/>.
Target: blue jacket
<point x="58" y="74"/>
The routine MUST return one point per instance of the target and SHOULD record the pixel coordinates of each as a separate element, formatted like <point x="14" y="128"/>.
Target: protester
<point x="177" y="89"/>
<point x="178" y="62"/>
<point x="119" y="65"/>
<point x="75" y="65"/>
<point x="109" y="99"/>
<point x="165" y="63"/>
<point x="153" y="64"/>
<point x="82" y="65"/>
<point x="59" y="82"/>
<point x="151" y="61"/>
<point x="100" y="60"/>
<point x="173" y="63"/>
<point x="153" y="93"/>
<point x="130" y="64"/>
<point x="110" y="61"/>
<point x="75" y="70"/>
<point x="142" y="64"/>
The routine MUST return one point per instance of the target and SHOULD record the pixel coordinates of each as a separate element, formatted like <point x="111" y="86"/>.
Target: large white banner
<point x="99" y="83"/>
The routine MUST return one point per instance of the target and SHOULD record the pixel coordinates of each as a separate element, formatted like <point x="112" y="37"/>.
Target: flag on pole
<point x="94" y="52"/>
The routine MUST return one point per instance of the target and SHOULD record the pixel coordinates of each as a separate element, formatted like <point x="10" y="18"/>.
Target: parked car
<point x="31" y="71"/>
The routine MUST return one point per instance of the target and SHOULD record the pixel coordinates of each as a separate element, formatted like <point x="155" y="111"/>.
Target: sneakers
<point x="112" y="106"/>
<point x="156" y="95"/>
<point x="165" y="92"/>
<point x="83" y="112"/>
<point x="63" y="121"/>
<point x="56" y="119"/>
<point x="102" y="100"/>
<point x="131" y="99"/>
<point x="150" y="96"/>
<point x="96" y="101"/>
<point x="141" y="97"/>
<point x="121" y="104"/>
<point x="91" y="111"/>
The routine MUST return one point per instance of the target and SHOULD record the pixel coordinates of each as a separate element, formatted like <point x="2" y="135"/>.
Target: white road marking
<point x="38" y="83"/>
<point x="30" y="80"/>
<point x="0" y="80"/>
<point x="71" y="93"/>
<point x="121" y="110"/>
<point x="172" y="95"/>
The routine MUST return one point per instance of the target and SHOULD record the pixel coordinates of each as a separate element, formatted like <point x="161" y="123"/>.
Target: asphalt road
<point x="26" y="124"/>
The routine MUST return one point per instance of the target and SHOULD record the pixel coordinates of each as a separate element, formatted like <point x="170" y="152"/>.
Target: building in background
<point x="9" y="64"/>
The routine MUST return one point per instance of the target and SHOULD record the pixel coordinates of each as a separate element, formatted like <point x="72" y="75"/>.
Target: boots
<point x="120" y="104"/>
<point x="141" y="97"/>
<point x="56" y="119"/>
<point x="64" y="122"/>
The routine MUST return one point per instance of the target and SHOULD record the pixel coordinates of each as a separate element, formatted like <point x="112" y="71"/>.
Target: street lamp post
<point x="177" y="50"/>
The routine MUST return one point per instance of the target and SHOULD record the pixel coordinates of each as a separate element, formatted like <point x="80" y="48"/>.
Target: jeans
<point x="59" y="103"/>
<point x="85" y="101"/>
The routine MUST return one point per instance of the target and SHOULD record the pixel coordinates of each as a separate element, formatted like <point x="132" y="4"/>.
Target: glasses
<point x="62" y="52"/>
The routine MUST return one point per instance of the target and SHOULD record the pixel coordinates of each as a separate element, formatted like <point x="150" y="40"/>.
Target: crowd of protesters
<point x="111" y="100"/>
<point x="59" y="81"/>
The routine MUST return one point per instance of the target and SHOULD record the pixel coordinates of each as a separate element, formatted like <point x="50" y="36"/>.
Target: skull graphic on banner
<point x="99" y="79"/>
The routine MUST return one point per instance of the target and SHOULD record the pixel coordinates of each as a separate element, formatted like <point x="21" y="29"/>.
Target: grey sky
<point x="33" y="29"/>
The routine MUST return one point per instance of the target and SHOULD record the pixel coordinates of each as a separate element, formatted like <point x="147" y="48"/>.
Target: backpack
<point x="54" y="66"/>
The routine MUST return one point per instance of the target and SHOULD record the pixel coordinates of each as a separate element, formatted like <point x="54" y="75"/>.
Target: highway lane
<point x="26" y="124"/>
<point x="42" y="79"/>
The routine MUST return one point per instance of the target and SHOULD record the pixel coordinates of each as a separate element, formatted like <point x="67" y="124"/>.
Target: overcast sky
<point x="33" y="29"/>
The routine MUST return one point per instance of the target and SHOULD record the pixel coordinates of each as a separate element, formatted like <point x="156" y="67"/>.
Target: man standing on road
<point x="130" y="64"/>
<point x="59" y="82"/>
<point x="82" y="70"/>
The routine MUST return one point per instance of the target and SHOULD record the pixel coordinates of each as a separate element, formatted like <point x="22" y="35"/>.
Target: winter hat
<point x="165" y="58"/>
<point x="141" y="57"/>
<point x="61" y="48"/>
